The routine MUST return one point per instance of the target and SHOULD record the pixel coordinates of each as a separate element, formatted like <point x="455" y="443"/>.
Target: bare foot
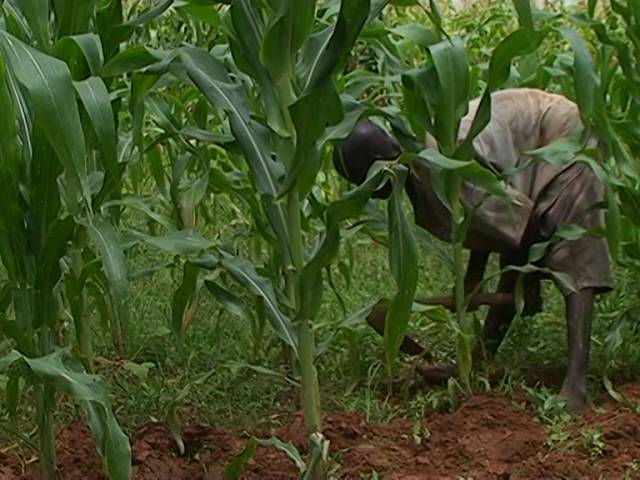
<point x="437" y="374"/>
<point x="577" y="399"/>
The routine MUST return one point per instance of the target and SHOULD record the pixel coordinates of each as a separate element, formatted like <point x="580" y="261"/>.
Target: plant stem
<point x="85" y="342"/>
<point x="81" y="319"/>
<point x="117" y="334"/>
<point x="45" y="406"/>
<point x="306" y="345"/>
<point x="295" y="245"/>
<point x="463" y="349"/>
<point x="311" y="397"/>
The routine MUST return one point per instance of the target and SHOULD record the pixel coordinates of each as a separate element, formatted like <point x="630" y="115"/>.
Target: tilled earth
<point x="488" y="437"/>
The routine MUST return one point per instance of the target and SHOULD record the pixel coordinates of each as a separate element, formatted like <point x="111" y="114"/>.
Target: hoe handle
<point x="376" y="318"/>
<point x="448" y="301"/>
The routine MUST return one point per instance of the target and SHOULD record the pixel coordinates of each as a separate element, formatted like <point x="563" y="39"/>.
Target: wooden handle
<point x="376" y="320"/>
<point x="448" y="301"/>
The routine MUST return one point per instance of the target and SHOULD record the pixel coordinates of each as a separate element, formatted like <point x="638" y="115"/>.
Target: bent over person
<point x="545" y="198"/>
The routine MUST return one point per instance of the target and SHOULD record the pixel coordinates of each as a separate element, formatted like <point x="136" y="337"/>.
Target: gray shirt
<point x="522" y="119"/>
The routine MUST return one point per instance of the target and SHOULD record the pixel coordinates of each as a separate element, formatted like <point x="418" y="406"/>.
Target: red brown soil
<point x="486" y="438"/>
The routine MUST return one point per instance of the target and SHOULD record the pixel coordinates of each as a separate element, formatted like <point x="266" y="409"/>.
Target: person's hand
<point x="437" y="374"/>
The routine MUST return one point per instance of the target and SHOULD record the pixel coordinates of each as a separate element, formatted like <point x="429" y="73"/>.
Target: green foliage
<point x="66" y="168"/>
<point x="91" y="394"/>
<point x="593" y="442"/>
<point x="403" y="266"/>
<point x="201" y="131"/>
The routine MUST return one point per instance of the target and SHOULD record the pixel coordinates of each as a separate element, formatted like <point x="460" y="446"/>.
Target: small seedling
<point x="420" y="433"/>
<point x="633" y="469"/>
<point x="552" y="413"/>
<point x="557" y="433"/>
<point x="548" y="405"/>
<point x="593" y="442"/>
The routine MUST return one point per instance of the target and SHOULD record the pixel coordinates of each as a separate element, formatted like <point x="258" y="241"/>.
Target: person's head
<point x="365" y="145"/>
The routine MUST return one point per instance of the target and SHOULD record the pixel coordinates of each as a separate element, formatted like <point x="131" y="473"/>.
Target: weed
<point x="593" y="442"/>
<point x="632" y="470"/>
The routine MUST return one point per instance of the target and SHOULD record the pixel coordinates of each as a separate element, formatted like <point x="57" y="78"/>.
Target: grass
<point x="351" y="374"/>
<point x="352" y="378"/>
<point x="350" y="370"/>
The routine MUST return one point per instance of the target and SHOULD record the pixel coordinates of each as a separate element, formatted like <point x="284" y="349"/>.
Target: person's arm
<point x="497" y="224"/>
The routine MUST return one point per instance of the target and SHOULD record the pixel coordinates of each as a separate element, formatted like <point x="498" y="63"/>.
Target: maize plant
<point x="237" y="106"/>
<point x="49" y="191"/>
<point x="291" y="62"/>
<point x="281" y="64"/>
<point x="60" y="165"/>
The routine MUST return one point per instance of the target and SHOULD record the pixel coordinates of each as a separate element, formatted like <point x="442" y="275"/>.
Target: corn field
<point x="170" y="210"/>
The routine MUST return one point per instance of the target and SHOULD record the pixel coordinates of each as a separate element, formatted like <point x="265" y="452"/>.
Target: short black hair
<point x="366" y="144"/>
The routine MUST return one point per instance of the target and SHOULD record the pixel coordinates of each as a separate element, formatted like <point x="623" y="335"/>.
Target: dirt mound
<point x="619" y="429"/>
<point x="486" y="438"/>
<point x="155" y="456"/>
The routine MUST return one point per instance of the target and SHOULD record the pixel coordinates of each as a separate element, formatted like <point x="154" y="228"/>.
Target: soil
<point x="488" y="437"/>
